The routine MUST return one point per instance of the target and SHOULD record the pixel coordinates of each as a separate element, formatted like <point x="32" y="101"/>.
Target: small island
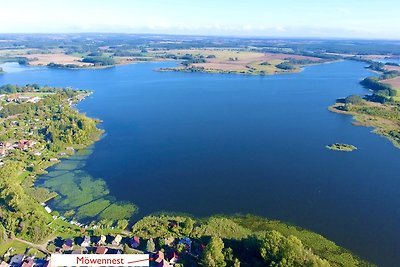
<point x="341" y="147"/>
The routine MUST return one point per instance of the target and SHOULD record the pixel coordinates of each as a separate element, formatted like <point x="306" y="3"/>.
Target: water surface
<point x="211" y="143"/>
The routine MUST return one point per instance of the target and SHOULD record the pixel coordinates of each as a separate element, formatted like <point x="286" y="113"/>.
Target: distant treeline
<point x="99" y="60"/>
<point x="382" y="92"/>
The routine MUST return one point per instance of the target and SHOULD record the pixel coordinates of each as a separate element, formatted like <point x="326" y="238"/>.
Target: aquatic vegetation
<point x="81" y="196"/>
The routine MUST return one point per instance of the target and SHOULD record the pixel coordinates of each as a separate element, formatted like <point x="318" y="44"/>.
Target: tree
<point x="150" y="246"/>
<point x="278" y="250"/>
<point x="122" y="224"/>
<point x="353" y="99"/>
<point x="212" y="255"/>
<point x="285" y="66"/>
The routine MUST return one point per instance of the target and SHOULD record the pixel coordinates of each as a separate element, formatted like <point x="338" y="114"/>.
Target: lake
<point x="216" y="143"/>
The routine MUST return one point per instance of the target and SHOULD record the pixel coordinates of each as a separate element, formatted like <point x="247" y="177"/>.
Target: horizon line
<point x="309" y="37"/>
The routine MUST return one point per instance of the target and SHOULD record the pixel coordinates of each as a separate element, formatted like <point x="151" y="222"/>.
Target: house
<point x="34" y="99"/>
<point x="86" y="241"/>
<point x="6" y="144"/>
<point x="117" y="240"/>
<point x="102" y="240"/>
<point x="80" y="251"/>
<point x="47" y="209"/>
<point x="16" y="260"/>
<point x="40" y="262"/>
<point x="12" y="98"/>
<point x="31" y="143"/>
<point x="114" y="251"/>
<point x="68" y="244"/>
<point x="25" y="144"/>
<point x="27" y="263"/>
<point x="101" y="250"/>
<point x="164" y="263"/>
<point x="4" y="264"/>
<point x="53" y="159"/>
<point x="47" y="263"/>
<point x="135" y="242"/>
<point x="173" y="257"/>
<point x="3" y="152"/>
<point x="158" y="256"/>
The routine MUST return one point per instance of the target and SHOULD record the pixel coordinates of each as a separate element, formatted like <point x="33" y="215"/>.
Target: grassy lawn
<point x="23" y="176"/>
<point x="19" y="248"/>
<point x="39" y="94"/>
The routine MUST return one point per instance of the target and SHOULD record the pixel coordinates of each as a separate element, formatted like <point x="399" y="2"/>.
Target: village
<point x="172" y="251"/>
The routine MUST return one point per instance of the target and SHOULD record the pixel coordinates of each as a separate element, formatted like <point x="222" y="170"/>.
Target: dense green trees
<point x="247" y="240"/>
<point x="278" y="250"/>
<point x="285" y="66"/>
<point x="378" y="66"/>
<point x="163" y="226"/>
<point x="212" y="254"/>
<point x="353" y="99"/>
<point x="20" y="215"/>
<point x="374" y="84"/>
<point x="124" y="53"/>
<point x="382" y="92"/>
<point x="99" y="60"/>
<point x="52" y="123"/>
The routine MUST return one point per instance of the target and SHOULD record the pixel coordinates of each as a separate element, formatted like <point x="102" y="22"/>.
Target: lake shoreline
<point x="309" y="75"/>
<point x="364" y="120"/>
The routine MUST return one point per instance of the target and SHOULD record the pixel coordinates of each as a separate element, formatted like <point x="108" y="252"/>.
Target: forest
<point x="53" y="125"/>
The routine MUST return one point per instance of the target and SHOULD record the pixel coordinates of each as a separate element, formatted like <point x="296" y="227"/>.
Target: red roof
<point x="101" y="250"/>
<point x="27" y="263"/>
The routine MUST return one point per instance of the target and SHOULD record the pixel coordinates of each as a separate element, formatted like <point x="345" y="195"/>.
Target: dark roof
<point x="16" y="259"/>
<point x="163" y="263"/>
<point x="172" y="254"/>
<point x="68" y="242"/>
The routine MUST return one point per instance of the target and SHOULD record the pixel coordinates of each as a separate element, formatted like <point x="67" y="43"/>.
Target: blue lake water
<point x="210" y="143"/>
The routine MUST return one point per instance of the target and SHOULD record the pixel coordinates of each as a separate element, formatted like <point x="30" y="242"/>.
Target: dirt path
<point x="41" y="247"/>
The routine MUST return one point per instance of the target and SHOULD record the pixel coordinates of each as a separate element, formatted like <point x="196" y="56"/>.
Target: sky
<point x="379" y="19"/>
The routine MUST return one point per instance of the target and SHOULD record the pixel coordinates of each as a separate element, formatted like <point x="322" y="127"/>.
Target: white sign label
<point x="99" y="260"/>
